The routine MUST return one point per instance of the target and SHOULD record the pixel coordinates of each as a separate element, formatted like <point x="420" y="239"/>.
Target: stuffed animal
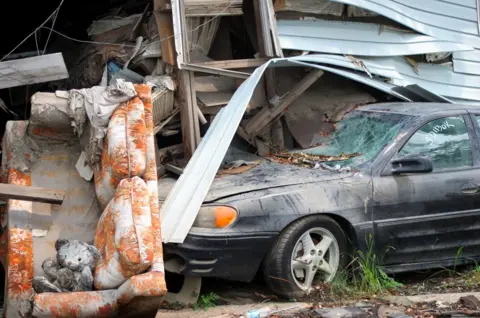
<point x="71" y="271"/>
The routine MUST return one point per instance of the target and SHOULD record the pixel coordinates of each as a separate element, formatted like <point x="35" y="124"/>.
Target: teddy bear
<point x="72" y="269"/>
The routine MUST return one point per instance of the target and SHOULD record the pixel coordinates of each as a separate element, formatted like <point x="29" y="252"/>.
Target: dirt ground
<point x="234" y="298"/>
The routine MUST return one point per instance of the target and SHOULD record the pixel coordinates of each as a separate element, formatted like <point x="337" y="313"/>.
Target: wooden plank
<point x="204" y="8"/>
<point x="267" y="115"/>
<point x="215" y="71"/>
<point x="269" y="73"/>
<point x="233" y="64"/>
<point x="165" y="30"/>
<point x="188" y="112"/>
<point x="272" y="20"/>
<point x="214" y="98"/>
<point x="212" y="83"/>
<point x="173" y="169"/>
<point x="212" y="110"/>
<point x="32" y="70"/>
<point x="27" y="193"/>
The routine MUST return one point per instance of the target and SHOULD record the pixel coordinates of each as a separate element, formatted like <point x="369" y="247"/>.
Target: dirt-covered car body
<point x="422" y="217"/>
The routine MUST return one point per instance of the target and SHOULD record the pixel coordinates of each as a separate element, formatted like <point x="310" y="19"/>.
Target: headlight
<point x="215" y="216"/>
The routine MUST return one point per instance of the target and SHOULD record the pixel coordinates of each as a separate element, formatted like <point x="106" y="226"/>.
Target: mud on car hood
<point x="263" y="176"/>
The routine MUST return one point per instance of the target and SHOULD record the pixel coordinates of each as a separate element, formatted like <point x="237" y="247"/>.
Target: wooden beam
<point x="233" y="64"/>
<point x="262" y="44"/>
<point x="215" y="71"/>
<point x="165" y="30"/>
<point x="27" y="193"/>
<point x="188" y="112"/>
<point x="267" y="115"/>
<point x="173" y="169"/>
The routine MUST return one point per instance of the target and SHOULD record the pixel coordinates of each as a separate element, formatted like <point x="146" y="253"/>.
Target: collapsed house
<point x="274" y="74"/>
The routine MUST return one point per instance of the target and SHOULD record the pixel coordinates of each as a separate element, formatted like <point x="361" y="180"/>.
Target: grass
<point x="371" y="277"/>
<point x="206" y="301"/>
<point x="364" y="276"/>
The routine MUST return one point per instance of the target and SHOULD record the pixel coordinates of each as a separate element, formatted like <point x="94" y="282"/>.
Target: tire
<point x="280" y="261"/>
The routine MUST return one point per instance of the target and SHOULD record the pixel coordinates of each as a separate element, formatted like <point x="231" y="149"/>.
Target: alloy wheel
<point x="316" y="255"/>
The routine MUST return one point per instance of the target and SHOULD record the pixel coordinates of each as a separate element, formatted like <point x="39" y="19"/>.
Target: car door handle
<point x="469" y="188"/>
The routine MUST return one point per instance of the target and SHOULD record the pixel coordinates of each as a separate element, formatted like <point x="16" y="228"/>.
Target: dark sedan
<point x="407" y="173"/>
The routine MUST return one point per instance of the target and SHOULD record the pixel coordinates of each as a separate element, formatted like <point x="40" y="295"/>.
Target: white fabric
<point x="98" y="104"/>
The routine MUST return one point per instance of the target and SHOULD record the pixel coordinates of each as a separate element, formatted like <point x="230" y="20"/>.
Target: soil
<point x="462" y="279"/>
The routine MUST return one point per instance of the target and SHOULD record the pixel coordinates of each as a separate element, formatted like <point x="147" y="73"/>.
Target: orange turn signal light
<point x="224" y="216"/>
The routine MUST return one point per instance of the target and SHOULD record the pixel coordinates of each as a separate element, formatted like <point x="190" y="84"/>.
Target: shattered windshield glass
<point x="358" y="138"/>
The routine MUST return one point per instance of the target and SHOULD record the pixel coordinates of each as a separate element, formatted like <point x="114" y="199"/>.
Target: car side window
<point x="445" y="141"/>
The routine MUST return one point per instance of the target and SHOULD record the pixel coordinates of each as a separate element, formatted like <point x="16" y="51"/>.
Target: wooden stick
<point x="267" y="115"/>
<point x="35" y="194"/>
<point x="232" y="64"/>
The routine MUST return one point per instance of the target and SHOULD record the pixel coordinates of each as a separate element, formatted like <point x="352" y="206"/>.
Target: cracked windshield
<point x="358" y="138"/>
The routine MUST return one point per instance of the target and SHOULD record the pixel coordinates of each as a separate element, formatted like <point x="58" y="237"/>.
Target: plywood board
<point x="32" y="70"/>
<point x="214" y="98"/>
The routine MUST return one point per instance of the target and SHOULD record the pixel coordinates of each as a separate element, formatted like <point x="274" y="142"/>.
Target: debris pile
<point x="306" y="160"/>
<point x="276" y="74"/>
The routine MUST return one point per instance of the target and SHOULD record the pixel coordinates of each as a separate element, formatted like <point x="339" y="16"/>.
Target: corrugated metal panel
<point x="419" y="94"/>
<point x="358" y="39"/>
<point x="446" y="20"/>
<point x="375" y="83"/>
<point x="440" y="79"/>
<point x="180" y="208"/>
<point x="467" y="62"/>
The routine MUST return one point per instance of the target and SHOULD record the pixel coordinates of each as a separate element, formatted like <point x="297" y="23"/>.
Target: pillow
<point x="124" y="151"/>
<point x="124" y="235"/>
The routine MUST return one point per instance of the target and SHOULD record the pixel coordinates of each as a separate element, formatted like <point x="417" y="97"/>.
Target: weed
<point x="457" y="257"/>
<point x="206" y="301"/>
<point x="370" y="276"/>
<point x="365" y="277"/>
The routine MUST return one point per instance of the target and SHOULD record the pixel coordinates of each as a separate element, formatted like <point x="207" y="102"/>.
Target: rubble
<point x="308" y="161"/>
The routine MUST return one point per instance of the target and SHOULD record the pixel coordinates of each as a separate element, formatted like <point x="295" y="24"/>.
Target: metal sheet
<point x="338" y="37"/>
<point x="419" y="94"/>
<point x="182" y="204"/>
<point x="439" y="79"/>
<point x="456" y="21"/>
<point x="467" y="62"/>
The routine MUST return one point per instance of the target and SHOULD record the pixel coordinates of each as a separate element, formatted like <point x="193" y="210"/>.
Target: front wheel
<point x="309" y="251"/>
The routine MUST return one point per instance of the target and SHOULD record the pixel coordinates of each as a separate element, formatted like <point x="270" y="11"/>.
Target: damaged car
<point x="405" y="173"/>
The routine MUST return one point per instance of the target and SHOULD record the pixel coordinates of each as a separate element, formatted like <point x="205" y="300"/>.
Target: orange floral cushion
<point x="124" y="153"/>
<point x="124" y="235"/>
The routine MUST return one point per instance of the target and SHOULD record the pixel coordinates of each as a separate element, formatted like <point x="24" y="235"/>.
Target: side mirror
<point x="411" y="165"/>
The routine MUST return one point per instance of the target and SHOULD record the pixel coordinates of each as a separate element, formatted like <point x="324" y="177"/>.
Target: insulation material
<point x="124" y="235"/>
<point x="310" y="6"/>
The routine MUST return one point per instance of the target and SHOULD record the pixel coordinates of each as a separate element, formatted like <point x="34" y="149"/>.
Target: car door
<point x="431" y="217"/>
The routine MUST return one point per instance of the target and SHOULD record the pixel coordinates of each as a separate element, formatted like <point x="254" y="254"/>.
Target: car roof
<point x="414" y="109"/>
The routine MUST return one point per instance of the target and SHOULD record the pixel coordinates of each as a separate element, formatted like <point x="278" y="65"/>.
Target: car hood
<point x="263" y="176"/>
